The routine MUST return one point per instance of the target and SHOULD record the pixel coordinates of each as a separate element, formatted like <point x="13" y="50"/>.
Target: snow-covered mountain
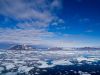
<point x="33" y="47"/>
<point x="20" y="47"/>
<point x="88" y="48"/>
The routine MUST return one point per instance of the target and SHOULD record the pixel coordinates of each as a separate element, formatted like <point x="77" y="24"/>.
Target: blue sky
<point x="62" y="23"/>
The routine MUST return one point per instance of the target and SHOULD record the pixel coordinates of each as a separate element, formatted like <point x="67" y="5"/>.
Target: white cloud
<point x="32" y="36"/>
<point x="22" y="35"/>
<point x="85" y="20"/>
<point x="42" y="37"/>
<point x="35" y="12"/>
<point x="89" y="31"/>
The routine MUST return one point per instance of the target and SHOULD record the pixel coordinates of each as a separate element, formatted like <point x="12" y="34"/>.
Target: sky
<point x="56" y="23"/>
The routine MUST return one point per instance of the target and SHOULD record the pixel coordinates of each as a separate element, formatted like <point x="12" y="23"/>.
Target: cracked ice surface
<point x="25" y="61"/>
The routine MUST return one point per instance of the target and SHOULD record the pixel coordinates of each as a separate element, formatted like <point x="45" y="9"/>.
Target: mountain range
<point x="11" y="46"/>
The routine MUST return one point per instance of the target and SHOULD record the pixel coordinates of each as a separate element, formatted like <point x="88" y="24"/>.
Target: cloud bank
<point x="33" y="37"/>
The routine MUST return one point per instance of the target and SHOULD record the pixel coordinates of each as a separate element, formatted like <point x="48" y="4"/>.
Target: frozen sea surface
<point x="62" y="62"/>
